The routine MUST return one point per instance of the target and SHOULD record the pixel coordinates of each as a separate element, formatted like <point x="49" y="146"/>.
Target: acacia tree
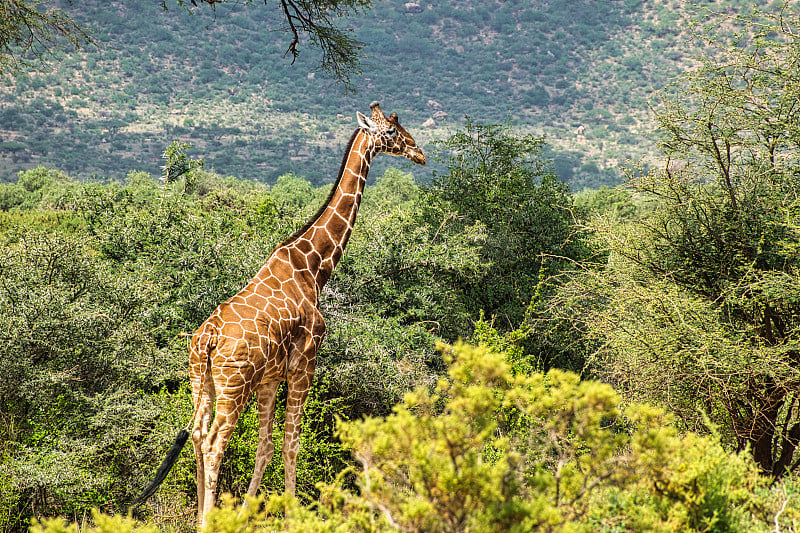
<point x="699" y="305"/>
<point x="318" y="20"/>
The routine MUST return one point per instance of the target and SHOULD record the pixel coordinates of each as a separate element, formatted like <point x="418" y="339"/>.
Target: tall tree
<point x="700" y="305"/>
<point x="501" y="181"/>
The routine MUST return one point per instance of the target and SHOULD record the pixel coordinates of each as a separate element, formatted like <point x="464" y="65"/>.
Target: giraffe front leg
<point x="298" y="385"/>
<point x="299" y="376"/>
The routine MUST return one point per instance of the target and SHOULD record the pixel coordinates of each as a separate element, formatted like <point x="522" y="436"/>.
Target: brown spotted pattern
<point x="272" y="329"/>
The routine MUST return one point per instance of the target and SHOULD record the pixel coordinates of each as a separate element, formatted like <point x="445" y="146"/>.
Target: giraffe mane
<point x="324" y="205"/>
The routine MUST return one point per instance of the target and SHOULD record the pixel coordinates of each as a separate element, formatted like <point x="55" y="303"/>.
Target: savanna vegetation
<point x="502" y="355"/>
<point x="102" y="280"/>
<point x="217" y="77"/>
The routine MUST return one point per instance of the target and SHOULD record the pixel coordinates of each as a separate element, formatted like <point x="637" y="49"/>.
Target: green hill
<point x="581" y="73"/>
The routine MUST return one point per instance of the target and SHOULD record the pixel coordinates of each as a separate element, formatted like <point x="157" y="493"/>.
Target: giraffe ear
<point x="366" y="122"/>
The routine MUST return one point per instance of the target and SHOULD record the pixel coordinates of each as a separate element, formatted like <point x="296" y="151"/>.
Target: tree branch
<point x="316" y="18"/>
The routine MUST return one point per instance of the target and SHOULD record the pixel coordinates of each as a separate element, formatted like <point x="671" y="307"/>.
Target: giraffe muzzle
<point x="417" y="156"/>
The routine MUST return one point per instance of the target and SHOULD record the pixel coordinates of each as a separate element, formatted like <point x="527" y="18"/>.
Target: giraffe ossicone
<point x="272" y="329"/>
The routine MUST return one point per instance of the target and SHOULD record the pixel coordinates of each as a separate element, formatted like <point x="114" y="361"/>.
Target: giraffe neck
<point x="329" y="230"/>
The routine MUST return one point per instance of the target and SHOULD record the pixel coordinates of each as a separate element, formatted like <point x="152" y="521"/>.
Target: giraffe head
<point x="388" y="135"/>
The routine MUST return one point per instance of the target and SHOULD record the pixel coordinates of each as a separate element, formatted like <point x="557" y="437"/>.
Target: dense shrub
<point x="490" y="450"/>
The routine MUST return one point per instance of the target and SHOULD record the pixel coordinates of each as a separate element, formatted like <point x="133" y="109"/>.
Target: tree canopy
<point x="697" y="306"/>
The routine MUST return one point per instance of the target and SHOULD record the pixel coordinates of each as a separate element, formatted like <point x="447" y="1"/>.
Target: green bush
<point x="93" y="320"/>
<point x="490" y="450"/>
<point x="79" y="365"/>
<point x="501" y="181"/>
<point x="696" y="307"/>
<point x="96" y="316"/>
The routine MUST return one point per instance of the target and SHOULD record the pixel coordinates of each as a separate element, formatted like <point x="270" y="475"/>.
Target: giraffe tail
<point x="166" y="465"/>
<point x="206" y="342"/>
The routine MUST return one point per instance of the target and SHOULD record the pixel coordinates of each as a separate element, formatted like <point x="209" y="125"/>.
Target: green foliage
<point x="490" y="450"/>
<point x="102" y="524"/>
<point x="507" y="342"/>
<point x="11" y="195"/>
<point x="394" y="189"/>
<point x="291" y="194"/>
<point x="617" y="203"/>
<point x="406" y="267"/>
<point x="697" y="306"/>
<point x="76" y="349"/>
<point x="370" y="361"/>
<point x="39" y="188"/>
<point x="28" y="35"/>
<point x="501" y="182"/>
<point x="177" y="164"/>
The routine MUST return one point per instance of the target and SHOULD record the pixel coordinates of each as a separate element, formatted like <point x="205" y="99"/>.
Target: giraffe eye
<point x="391" y="131"/>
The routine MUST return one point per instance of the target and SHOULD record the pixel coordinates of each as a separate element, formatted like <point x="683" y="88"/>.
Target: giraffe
<point x="272" y="329"/>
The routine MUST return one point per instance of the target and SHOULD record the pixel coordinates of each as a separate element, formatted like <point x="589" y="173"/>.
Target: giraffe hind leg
<point x="199" y="435"/>
<point x="298" y="386"/>
<point x="204" y="342"/>
<point x="231" y="401"/>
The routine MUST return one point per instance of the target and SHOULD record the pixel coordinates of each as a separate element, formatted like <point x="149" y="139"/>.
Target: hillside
<point x="581" y="76"/>
<point x="633" y="356"/>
